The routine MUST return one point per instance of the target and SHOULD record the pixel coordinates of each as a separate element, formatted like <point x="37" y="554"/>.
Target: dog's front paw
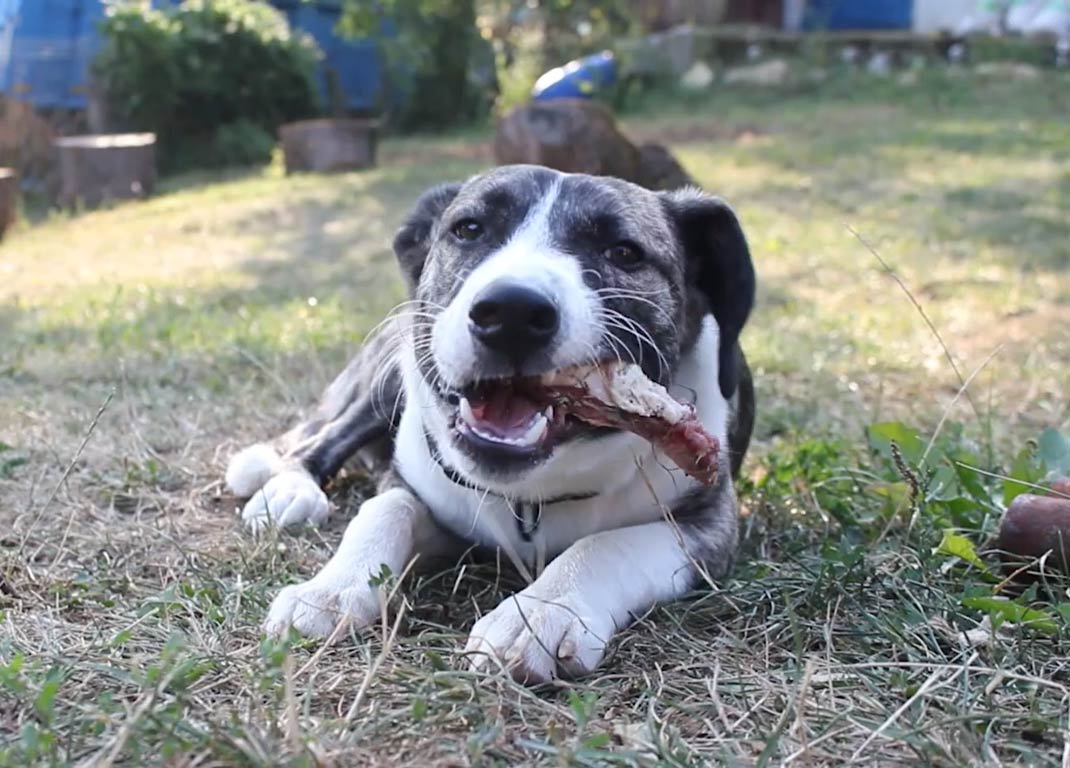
<point x="250" y="469"/>
<point x="316" y="607"/>
<point x="289" y="499"/>
<point x="539" y="638"/>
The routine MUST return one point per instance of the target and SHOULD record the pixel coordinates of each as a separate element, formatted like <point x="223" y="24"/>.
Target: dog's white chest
<point x="531" y="530"/>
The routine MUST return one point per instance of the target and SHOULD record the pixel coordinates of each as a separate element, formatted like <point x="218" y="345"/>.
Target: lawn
<point x="143" y="344"/>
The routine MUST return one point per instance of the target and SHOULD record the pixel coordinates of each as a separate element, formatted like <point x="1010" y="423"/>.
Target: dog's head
<point x="524" y="270"/>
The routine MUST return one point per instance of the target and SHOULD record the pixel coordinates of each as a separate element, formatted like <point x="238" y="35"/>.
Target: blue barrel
<point x="859" y="14"/>
<point x="47" y="46"/>
<point x="354" y="65"/>
<point x="46" y="49"/>
<point x="580" y="79"/>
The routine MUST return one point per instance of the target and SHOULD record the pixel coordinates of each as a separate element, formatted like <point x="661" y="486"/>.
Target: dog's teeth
<point x="548" y="414"/>
<point x="535" y="431"/>
<point x="532" y="435"/>
<point x="467" y="416"/>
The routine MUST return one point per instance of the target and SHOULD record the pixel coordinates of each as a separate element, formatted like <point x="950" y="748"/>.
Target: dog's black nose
<point x="513" y="319"/>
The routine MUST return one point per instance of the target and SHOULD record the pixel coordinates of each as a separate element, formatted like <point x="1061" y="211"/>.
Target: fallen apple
<point x="1034" y="526"/>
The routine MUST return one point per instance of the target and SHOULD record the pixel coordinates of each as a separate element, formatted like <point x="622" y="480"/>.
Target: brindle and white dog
<point x="516" y="272"/>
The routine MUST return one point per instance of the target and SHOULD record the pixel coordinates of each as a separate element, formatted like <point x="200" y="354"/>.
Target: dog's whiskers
<point x="611" y="294"/>
<point x="617" y="344"/>
<point x="612" y="319"/>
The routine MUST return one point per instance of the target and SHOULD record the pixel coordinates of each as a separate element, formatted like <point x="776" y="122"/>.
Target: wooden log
<point x="329" y="144"/>
<point x="9" y="196"/>
<point x="97" y="168"/>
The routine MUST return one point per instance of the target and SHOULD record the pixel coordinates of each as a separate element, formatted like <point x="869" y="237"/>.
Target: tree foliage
<point x="212" y="78"/>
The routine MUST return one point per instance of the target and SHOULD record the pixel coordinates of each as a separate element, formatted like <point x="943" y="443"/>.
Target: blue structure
<point x="46" y="47"/>
<point x="859" y="14"/>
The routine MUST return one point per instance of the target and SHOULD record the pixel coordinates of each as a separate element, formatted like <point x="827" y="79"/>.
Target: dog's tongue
<point x="504" y="410"/>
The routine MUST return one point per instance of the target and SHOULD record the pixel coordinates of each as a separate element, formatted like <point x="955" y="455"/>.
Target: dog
<point x="516" y="272"/>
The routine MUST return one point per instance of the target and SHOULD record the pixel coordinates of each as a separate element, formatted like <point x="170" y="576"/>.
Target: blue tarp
<point x="46" y="47"/>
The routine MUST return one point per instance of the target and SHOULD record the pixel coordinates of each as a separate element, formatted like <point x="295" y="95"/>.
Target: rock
<point x="9" y="194"/>
<point x="329" y="144"/>
<point x="571" y="135"/>
<point x="665" y="54"/>
<point x="880" y="64"/>
<point x="698" y="78"/>
<point x="659" y="170"/>
<point x="768" y="73"/>
<point x="850" y="55"/>
<point x="100" y="167"/>
<point x="1007" y="70"/>
<point x="682" y="47"/>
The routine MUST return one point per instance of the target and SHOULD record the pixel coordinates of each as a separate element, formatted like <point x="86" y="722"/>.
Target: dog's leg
<point x="562" y="623"/>
<point x="389" y="530"/>
<point x="284" y="487"/>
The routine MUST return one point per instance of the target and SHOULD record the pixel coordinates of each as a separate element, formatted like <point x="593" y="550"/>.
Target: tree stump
<point x="9" y="196"/>
<point x="96" y="168"/>
<point x="660" y="170"/>
<point x="329" y="144"/>
<point x="570" y="135"/>
<point x="578" y="136"/>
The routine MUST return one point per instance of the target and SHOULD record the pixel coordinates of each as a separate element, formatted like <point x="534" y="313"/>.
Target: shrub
<point x="204" y="74"/>
<point x="242" y="142"/>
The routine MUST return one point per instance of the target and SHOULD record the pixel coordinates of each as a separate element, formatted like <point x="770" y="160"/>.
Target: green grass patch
<point x="868" y="618"/>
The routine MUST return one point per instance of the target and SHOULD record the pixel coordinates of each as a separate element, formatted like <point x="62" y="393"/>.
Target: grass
<point x="143" y="344"/>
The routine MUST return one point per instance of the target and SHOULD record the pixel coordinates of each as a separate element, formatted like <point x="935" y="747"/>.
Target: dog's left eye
<point x="624" y="255"/>
<point x="467" y="229"/>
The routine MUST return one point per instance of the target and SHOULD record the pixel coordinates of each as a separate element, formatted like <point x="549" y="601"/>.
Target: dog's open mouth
<point x="525" y="417"/>
<point x="506" y="412"/>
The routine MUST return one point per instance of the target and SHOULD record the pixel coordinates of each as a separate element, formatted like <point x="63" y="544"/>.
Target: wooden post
<point x="330" y="144"/>
<point x="103" y="167"/>
<point x="9" y="196"/>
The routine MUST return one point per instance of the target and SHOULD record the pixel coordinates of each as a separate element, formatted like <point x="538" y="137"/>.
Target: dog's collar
<point x="528" y="513"/>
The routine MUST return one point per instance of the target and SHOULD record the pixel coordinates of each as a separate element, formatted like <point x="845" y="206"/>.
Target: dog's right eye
<point x="467" y="230"/>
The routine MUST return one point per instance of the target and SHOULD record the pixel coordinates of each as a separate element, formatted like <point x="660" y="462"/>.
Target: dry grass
<point x="207" y="317"/>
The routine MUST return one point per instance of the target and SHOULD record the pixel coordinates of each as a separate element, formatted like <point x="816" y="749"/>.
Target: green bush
<point x="242" y="142"/>
<point x="205" y="76"/>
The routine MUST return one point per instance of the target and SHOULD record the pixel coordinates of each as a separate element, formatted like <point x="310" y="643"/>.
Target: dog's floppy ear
<point x="719" y="265"/>
<point x="413" y="241"/>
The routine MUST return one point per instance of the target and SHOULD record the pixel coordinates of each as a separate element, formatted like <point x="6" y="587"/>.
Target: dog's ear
<point x="719" y="265"/>
<point x="413" y="241"/>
